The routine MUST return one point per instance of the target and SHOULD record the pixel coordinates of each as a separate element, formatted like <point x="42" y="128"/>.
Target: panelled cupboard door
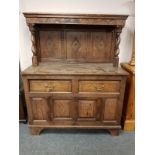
<point x="62" y="109"/>
<point x="48" y="109"/>
<point x="105" y="110"/>
<point x="89" y="109"/>
<point x="77" y="109"/>
<point x="74" y="109"/>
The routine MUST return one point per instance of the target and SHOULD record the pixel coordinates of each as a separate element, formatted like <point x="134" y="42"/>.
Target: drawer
<point x="50" y="85"/>
<point x="99" y="86"/>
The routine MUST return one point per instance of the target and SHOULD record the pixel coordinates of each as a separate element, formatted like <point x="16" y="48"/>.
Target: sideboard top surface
<point x="57" y="68"/>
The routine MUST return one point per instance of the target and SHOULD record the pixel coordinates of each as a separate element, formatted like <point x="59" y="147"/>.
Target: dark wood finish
<point x="75" y="81"/>
<point x="75" y="37"/>
<point x="102" y="108"/>
<point x="128" y="119"/>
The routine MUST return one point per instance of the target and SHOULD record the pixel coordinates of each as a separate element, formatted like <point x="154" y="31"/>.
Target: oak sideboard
<point x="75" y="80"/>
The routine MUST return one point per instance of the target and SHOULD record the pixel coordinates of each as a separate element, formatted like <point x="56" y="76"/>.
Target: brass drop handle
<point x="100" y="88"/>
<point x="46" y="86"/>
<point x="49" y="87"/>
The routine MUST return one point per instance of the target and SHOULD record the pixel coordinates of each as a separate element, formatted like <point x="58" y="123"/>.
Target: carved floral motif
<point x="76" y="44"/>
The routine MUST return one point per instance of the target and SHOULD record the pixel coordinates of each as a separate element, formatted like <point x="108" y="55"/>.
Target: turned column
<point x="117" y="33"/>
<point x="33" y="48"/>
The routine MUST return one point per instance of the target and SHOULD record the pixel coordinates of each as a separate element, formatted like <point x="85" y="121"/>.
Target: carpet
<point x="75" y="142"/>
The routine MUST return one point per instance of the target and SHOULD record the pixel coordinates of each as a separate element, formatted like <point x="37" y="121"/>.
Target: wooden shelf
<point x="74" y="69"/>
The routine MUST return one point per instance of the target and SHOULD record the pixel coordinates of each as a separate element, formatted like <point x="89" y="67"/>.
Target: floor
<point x="75" y="142"/>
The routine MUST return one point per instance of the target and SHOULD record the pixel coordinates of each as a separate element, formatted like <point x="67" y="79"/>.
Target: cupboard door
<point x="40" y="109"/>
<point x="89" y="109"/>
<point x="105" y="110"/>
<point x="62" y="109"/>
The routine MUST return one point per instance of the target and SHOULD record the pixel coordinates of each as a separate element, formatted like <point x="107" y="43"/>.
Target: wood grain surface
<point x="75" y="80"/>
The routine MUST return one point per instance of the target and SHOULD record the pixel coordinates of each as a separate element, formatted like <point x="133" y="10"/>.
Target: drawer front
<point x="50" y="86"/>
<point x="99" y="86"/>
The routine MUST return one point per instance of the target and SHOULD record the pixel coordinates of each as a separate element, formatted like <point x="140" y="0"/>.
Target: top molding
<point x="81" y="19"/>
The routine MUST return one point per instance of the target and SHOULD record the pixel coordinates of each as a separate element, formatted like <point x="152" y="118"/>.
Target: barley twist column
<point x="117" y="42"/>
<point x="33" y="48"/>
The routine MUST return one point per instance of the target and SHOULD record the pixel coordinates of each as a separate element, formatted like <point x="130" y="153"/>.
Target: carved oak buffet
<point x="74" y="80"/>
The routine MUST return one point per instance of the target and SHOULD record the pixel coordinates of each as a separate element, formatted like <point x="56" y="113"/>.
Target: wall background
<point x="78" y="6"/>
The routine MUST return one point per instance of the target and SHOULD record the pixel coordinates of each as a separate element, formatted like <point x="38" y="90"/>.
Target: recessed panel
<point x="87" y="109"/>
<point x="101" y="46"/>
<point x="51" y="44"/>
<point x="40" y="109"/>
<point x="62" y="108"/>
<point x="110" y="109"/>
<point x="76" y="45"/>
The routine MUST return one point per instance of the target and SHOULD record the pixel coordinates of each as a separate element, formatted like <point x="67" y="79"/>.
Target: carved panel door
<point x="89" y="109"/>
<point x="62" y="109"/>
<point x="76" y="109"/>
<point x="105" y="110"/>
<point x="48" y="109"/>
